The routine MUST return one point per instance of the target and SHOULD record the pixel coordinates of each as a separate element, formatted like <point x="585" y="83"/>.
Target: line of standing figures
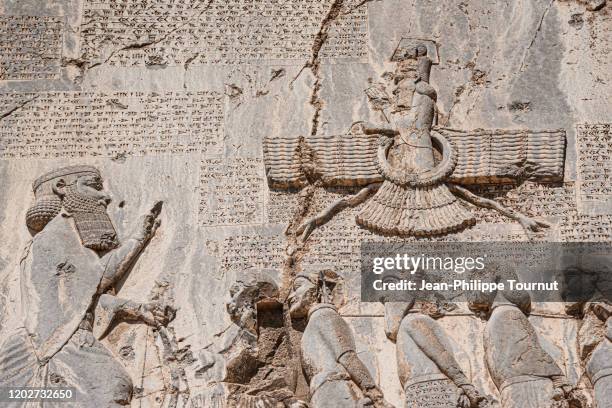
<point x="525" y="375"/>
<point x="69" y="275"/>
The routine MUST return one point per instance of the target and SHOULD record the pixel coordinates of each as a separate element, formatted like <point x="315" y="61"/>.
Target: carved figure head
<point x="303" y="296"/>
<point x="414" y="48"/>
<point x="311" y="288"/>
<point x="483" y="303"/>
<point x="406" y="76"/>
<point x="518" y="298"/>
<point x="421" y="50"/>
<point x="79" y="190"/>
<point x="247" y="296"/>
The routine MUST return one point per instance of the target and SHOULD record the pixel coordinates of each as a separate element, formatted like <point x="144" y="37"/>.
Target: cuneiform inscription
<point x="231" y="191"/>
<point x="549" y="200"/>
<point x="147" y="32"/>
<point x="30" y="47"/>
<point x="589" y="228"/>
<point x="594" y="143"/>
<point x="244" y="252"/>
<point x="85" y="124"/>
<point x="431" y="394"/>
<point x="281" y="207"/>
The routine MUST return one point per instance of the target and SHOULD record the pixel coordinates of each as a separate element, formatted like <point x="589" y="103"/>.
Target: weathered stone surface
<point x="274" y="132"/>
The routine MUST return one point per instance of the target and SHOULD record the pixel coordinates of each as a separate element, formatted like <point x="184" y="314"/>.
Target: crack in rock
<point x="16" y="108"/>
<point x="535" y="35"/>
<point x="315" y="63"/>
<point x="137" y="46"/>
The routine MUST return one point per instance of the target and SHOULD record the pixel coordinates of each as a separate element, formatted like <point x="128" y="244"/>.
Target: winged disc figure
<point x="413" y="175"/>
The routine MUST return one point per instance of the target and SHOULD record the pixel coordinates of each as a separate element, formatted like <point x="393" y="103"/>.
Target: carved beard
<point x="92" y="221"/>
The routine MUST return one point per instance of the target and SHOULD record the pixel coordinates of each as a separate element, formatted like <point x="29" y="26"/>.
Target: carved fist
<point x="149" y="223"/>
<point x="569" y="396"/>
<point x="374" y="398"/>
<point x="471" y="398"/>
<point x="357" y="128"/>
<point x="384" y="141"/>
<point x="156" y="314"/>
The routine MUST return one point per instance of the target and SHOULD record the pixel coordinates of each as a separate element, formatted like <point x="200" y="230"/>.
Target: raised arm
<point x="119" y="261"/>
<point x="371" y="129"/>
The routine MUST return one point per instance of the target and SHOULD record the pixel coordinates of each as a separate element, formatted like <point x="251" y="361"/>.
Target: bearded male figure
<point x="428" y="371"/>
<point x="521" y="368"/>
<point x="336" y="375"/>
<point x="68" y="275"/>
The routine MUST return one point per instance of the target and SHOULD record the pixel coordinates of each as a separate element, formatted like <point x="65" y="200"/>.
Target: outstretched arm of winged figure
<point x="306" y="228"/>
<point x="528" y="224"/>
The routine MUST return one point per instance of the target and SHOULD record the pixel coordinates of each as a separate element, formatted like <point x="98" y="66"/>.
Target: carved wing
<point x="506" y="156"/>
<point x="483" y="156"/>
<point x="345" y="160"/>
<point x="282" y="159"/>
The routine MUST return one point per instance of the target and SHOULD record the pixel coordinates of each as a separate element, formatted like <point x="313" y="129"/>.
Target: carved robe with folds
<point x="56" y="346"/>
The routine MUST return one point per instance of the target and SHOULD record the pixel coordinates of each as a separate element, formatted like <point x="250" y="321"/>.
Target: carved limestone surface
<point x="427" y="368"/>
<point x="596" y="345"/>
<point x="335" y="374"/>
<point x="521" y="368"/>
<point x="68" y="275"/>
<point x="598" y="366"/>
<point x="285" y="138"/>
<point x="410" y="171"/>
